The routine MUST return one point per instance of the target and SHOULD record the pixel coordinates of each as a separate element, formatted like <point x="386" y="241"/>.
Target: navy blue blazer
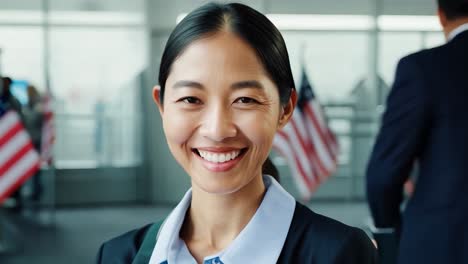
<point x="312" y="238"/>
<point x="425" y="121"/>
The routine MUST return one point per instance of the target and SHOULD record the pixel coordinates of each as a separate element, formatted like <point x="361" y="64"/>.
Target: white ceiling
<point x="76" y="5"/>
<point x="392" y="7"/>
<point x="388" y="7"/>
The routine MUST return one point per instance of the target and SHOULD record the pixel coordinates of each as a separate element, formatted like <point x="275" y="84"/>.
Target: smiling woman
<point x="225" y="89"/>
<point x="214" y="97"/>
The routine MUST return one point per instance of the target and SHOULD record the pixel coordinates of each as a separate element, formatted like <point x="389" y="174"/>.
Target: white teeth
<point x="222" y="158"/>
<point x="219" y="157"/>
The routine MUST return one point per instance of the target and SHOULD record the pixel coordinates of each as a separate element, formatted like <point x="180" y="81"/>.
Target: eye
<point x="246" y="100"/>
<point x="190" y="100"/>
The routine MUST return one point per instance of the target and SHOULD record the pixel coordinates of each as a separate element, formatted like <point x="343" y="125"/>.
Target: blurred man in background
<point x="33" y="121"/>
<point x="7" y="97"/>
<point x="425" y="121"/>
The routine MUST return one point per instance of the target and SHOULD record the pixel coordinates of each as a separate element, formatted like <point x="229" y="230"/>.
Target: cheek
<point x="177" y="127"/>
<point x="259" y="128"/>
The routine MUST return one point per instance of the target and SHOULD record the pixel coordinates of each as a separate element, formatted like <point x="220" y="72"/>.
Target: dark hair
<point x="269" y="168"/>
<point x="247" y="23"/>
<point x="454" y="9"/>
<point x="6" y="82"/>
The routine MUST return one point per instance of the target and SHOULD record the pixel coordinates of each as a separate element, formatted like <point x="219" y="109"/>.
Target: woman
<point x="226" y="88"/>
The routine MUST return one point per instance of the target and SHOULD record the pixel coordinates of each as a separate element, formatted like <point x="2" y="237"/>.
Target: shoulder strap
<point x="146" y="249"/>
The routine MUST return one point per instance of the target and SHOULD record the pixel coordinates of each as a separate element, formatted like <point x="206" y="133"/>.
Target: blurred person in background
<point x="33" y="122"/>
<point x="425" y="121"/>
<point x="8" y="98"/>
<point x="225" y="89"/>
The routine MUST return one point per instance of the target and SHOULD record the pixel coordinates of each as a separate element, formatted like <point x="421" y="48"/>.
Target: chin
<point x="219" y="188"/>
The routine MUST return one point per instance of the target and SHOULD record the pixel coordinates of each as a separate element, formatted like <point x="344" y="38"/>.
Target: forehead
<point x="222" y="54"/>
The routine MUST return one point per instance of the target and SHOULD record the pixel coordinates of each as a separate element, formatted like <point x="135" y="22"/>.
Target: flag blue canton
<point x="306" y="93"/>
<point x="3" y="107"/>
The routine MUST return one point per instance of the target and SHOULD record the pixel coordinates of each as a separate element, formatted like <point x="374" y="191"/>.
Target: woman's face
<point x="220" y="113"/>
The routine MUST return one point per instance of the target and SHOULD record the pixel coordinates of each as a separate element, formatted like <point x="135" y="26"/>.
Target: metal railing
<point x="91" y="141"/>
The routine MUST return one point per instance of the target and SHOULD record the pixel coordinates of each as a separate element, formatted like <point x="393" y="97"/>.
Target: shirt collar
<point x="260" y="241"/>
<point x="457" y="30"/>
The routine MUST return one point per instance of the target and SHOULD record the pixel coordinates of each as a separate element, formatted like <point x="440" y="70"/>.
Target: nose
<point x="218" y="124"/>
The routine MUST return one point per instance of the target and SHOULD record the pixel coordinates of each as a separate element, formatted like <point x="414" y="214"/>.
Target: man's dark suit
<point x="426" y="120"/>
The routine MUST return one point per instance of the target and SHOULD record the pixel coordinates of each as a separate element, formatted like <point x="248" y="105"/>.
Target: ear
<point x="288" y="109"/>
<point x="156" y="98"/>
<point x="442" y="17"/>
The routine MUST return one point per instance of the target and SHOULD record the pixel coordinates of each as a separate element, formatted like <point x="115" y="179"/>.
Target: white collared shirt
<point x="261" y="241"/>
<point x="457" y="31"/>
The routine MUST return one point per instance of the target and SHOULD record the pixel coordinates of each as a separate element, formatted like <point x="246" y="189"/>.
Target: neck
<point x="216" y="219"/>
<point x="453" y="24"/>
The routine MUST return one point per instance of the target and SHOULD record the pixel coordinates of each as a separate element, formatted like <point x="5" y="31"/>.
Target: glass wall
<point x="338" y="63"/>
<point x="96" y="70"/>
<point x="22" y="52"/>
<point x="97" y="52"/>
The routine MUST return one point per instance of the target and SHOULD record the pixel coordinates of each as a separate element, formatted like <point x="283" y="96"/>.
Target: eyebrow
<point x="247" y="84"/>
<point x="235" y="86"/>
<point x="183" y="83"/>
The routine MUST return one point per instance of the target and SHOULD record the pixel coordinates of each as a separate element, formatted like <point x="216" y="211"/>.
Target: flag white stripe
<point x="326" y="141"/>
<point x="18" y="170"/>
<point x="322" y="152"/>
<point x="285" y="148"/>
<point x="11" y="147"/>
<point x="317" y="109"/>
<point x="324" y="126"/>
<point x="302" y="155"/>
<point x="312" y="161"/>
<point x="9" y="120"/>
<point x="297" y="119"/>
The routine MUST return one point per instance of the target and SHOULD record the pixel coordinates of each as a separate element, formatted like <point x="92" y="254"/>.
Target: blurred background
<point x="112" y="170"/>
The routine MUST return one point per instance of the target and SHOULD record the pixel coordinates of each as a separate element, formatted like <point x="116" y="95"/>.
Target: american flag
<point x="307" y="143"/>
<point x="48" y="130"/>
<point x="18" y="158"/>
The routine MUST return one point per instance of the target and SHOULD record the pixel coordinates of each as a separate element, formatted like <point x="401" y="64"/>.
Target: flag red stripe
<point x="311" y="115"/>
<point x="17" y="156"/>
<point x="48" y="115"/>
<point x="333" y="144"/>
<point x="317" y="166"/>
<point x="11" y="133"/>
<point x="283" y="149"/>
<point x="330" y="138"/>
<point x="306" y="146"/>
<point x="310" y="188"/>
<point x="19" y="182"/>
<point x="297" y="163"/>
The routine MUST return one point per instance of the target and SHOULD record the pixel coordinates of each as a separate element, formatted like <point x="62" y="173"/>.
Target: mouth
<point x="220" y="157"/>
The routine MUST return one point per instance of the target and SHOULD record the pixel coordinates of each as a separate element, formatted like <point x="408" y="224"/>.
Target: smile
<point x="219" y="157"/>
<point x="219" y="160"/>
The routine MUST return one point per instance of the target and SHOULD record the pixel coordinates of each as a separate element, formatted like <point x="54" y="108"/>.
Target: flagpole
<point x="1" y="83"/>
<point x="303" y="54"/>
<point x="46" y="65"/>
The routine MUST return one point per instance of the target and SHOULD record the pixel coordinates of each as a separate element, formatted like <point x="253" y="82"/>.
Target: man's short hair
<point x="6" y="81"/>
<point x="454" y="9"/>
